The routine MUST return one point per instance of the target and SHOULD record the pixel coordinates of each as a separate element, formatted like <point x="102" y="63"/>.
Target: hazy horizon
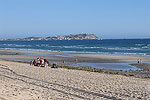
<point x="75" y="34"/>
<point x="107" y="19"/>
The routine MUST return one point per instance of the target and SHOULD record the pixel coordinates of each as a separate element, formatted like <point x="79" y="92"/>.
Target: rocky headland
<point x="83" y="36"/>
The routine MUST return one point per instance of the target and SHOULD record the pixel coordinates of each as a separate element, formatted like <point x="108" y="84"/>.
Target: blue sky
<point x="104" y="18"/>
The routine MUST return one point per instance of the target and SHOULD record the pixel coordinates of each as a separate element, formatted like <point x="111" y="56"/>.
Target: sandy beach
<point x="74" y="50"/>
<point x="70" y="58"/>
<point x="19" y="81"/>
<point x="102" y="58"/>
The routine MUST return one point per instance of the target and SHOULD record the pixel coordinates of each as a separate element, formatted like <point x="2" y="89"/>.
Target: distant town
<point x="83" y="36"/>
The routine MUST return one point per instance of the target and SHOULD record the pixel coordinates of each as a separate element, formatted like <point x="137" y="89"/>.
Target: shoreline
<point x="25" y="51"/>
<point x="82" y="58"/>
<point x="130" y="73"/>
<point x="77" y="53"/>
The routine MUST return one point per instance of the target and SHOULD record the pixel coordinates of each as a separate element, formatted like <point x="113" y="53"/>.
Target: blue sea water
<point x="106" y="46"/>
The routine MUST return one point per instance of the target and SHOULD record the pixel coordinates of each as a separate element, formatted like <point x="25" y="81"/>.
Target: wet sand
<point x="93" y="58"/>
<point x="144" y="66"/>
<point x="18" y="52"/>
<point x="22" y="81"/>
<point x="103" y="58"/>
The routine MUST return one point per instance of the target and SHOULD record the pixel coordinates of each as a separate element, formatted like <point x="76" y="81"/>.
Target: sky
<point x="108" y="19"/>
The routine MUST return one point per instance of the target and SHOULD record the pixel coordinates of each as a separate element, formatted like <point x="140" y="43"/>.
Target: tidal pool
<point x="112" y="66"/>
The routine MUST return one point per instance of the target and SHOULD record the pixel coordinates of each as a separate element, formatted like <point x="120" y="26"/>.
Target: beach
<point x="19" y="80"/>
<point x="22" y="81"/>
<point x="56" y="56"/>
<point x="74" y="50"/>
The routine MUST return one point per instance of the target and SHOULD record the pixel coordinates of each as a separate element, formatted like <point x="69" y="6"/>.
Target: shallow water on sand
<point x="112" y="66"/>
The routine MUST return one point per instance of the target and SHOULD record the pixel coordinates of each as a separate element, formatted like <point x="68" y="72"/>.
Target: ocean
<point x="106" y="46"/>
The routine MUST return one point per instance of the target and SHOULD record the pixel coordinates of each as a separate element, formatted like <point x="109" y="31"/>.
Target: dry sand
<point x="19" y="81"/>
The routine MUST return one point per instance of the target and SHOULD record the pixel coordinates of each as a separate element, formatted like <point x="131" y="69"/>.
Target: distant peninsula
<point x="83" y="36"/>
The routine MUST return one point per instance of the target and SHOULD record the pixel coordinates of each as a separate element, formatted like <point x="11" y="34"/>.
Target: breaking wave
<point x="125" y="47"/>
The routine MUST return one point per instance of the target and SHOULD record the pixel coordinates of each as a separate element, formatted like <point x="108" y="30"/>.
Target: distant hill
<point x="75" y="37"/>
<point x="84" y="36"/>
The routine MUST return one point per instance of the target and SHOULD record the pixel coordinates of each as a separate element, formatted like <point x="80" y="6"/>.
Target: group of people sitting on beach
<point x="40" y="62"/>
